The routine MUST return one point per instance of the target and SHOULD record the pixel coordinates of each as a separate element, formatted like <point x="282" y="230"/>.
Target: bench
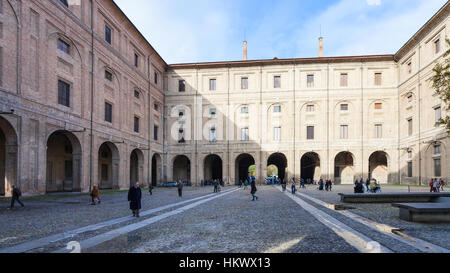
<point x="424" y="212"/>
<point x="406" y="197"/>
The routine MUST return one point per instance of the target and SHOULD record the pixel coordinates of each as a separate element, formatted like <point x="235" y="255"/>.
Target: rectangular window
<point x="108" y="112"/>
<point x="310" y="108"/>
<point x="378" y="131"/>
<point x="277" y="109"/>
<point x="181" y="86"/>
<point x="378" y="106"/>
<point x="244" y="83"/>
<point x="410" y="127"/>
<point x="437" y="46"/>
<point x="310" y="132"/>
<point x="137" y="94"/>
<point x="64" y="2"/>
<point x="437" y="167"/>
<point x="212" y="84"/>
<point x="181" y="114"/>
<point x="244" y="110"/>
<point x="409" y="67"/>
<point x="156" y="107"/>
<point x="344" y="131"/>
<point x="277" y="133"/>
<point x="136" y="124"/>
<point x="244" y="134"/>
<point x="108" y="75"/>
<point x="63" y="46"/>
<point x="378" y="77"/>
<point x="410" y="169"/>
<point x="108" y="34"/>
<point x="105" y="172"/>
<point x="63" y="93"/>
<point x="310" y="80"/>
<point x="136" y="60"/>
<point x="212" y="135"/>
<point x="277" y="82"/>
<point x="155" y="132"/>
<point x="438" y="115"/>
<point x="344" y="79"/>
<point x="410" y="98"/>
<point x="155" y="76"/>
<point x="437" y="150"/>
<point x="344" y="107"/>
<point x="212" y="111"/>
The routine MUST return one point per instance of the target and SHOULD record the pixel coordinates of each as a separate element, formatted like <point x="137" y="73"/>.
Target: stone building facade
<point x="86" y="100"/>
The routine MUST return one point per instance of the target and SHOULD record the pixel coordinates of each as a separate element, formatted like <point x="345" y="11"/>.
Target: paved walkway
<point x="206" y="222"/>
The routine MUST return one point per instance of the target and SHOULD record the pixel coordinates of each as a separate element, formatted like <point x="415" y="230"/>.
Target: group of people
<point x="437" y="185"/>
<point x="326" y="185"/>
<point x="371" y="185"/>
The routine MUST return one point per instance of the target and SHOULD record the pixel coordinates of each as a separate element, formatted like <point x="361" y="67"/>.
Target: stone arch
<point x="156" y="169"/>
<point x="310" y="167"/>
<point x="64" y="155"/>
<point x="379" y="166"/>
<point x="242" y="165"/>
<point x="181" y="168"/>
<point x="136" y="167"/>
<point x="344" y="169"/>
<point x="280" y="161"/>
<point x="213" y="167"/>
<point x="108" y="166"/>
<point x="8" y="157"/>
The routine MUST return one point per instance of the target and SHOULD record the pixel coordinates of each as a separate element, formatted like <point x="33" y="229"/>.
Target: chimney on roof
<point x="245" y="51"/>
<point x="320" y="47"/>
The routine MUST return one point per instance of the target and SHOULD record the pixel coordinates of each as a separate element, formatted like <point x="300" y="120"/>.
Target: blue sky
<point x="213" y="30"/>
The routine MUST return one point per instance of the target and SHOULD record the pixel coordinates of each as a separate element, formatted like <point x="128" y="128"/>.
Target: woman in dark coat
<point x="253" y="191"/>
<point x="134" y="197"/>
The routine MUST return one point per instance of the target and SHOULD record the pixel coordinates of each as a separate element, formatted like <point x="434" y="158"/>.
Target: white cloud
<point x="373" y="2"/>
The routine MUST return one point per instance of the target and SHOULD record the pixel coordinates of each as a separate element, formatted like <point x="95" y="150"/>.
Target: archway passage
<point x="182" y="168"/>
<point x="280" y="161"/>
<point x="310" y="167"/>
<point x="63" y="162"/>
<point x="156" y="169"/>
<point x="212" y="168"/>
<point x="243" y="164"/>
<point x="378" y="166"/>
<point x="136" y="167"/>
<point x="344" y="172"/>
<point x="8" y="157"/>
<point x="108" y="166"/>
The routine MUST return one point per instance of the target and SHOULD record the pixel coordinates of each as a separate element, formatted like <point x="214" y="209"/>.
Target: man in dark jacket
<point x="359" y="188"/>
<point x="253" y="191"/>
<point x="16" y="194"/>
<point x="134" y="197"/>
<point x="180" y="188"/>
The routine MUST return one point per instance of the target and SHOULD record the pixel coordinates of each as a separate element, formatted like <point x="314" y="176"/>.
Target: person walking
<point x="302" y="183"/>
<point x="134" y="197"/>
<point x="16" y="194"/>
<point x="442" y="182"/>
<point x="95" y="196"/>
<point x="150" y="189"/>
<point x="180" y="188"/>
<point x="431" y="184"/>
<point x="215" y="185"/>
<point x="254" y="189"/>
<point x="367" y="185"/>
<point x="436" y="185"/>
<point x="293" y="188"/>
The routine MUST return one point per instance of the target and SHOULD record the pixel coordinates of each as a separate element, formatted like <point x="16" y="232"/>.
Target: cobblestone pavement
<point x="229" y="223"/>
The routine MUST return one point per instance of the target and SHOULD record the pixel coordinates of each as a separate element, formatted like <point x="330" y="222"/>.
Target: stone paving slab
<point x="44" y="217"/>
